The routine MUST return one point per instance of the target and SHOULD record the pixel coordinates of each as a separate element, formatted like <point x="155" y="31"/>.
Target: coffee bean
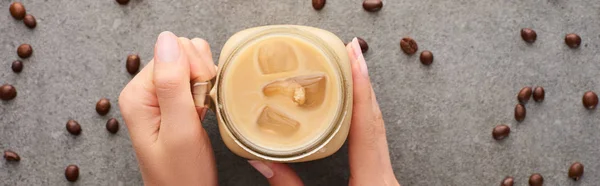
<point x="573" y="40"/>
<point x="123" y="2"/>
<point x="524" y="94"/>
<point x="7" y="92"/>
<point x="318" y="4"/>
<point x="72" y="173"/>
<point x="528" y="35"/>
<point x="426" y="57"/>
<point x="500" y="132"/>
<point x="536" y="180"/>
<point x="372" y="5"/>
<point x="17" y="10"/>
<point x="590" y="100"/>
<point x="73" y="127"/>
<point x="576" y="171"/>
<point x="29" y="21"/>
<point x="539" y="94"/>
<point x="364" y="47"/>
<point x="112" y="125"/>
<point x="520" y="112"/>
<point x="24" y="50"/>
<point x="103" y="106"/>
<point x="133" y="64"/>
<point x="17" y="66"/>
<point x="508" y="181"/>
<point x="409" y="45"/>
<point x="10" y="155"/>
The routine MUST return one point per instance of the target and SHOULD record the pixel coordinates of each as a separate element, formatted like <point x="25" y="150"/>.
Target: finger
<point x="277" y="174"/>
<point x="202" y="70"/>
<point x="368" y="150"/>
<point x="179" y="118"/>
<point x="138" y="105"/>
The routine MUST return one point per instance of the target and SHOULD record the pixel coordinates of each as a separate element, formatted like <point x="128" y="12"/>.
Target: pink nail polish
<point x="360" y="59"/>
<point x="167" y="47"/>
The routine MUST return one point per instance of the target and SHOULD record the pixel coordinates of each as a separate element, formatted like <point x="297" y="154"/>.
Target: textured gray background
<point x="438" y="118"/>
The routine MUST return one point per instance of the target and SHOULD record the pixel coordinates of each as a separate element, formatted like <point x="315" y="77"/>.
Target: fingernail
<point x="262" y="168"/>
<point x="360" y="58"/>
<point x="167" y="47"/>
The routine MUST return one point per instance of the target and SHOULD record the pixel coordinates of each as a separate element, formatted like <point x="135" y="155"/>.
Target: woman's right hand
<point x="367" y="144"/>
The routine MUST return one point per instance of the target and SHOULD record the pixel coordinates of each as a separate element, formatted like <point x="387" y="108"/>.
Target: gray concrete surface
<point x="438" y="118"/>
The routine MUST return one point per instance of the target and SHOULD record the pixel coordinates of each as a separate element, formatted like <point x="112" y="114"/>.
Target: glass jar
<point x="321" y="141"/>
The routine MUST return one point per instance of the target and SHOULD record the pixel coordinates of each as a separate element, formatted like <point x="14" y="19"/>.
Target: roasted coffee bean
<point x="528" y="35"/>
<point x="372" y="5"/>
<point x="520" y="112"/>
<point x="364" y="47"/>
<point x="7" y="92"/>
<point x="10" y="155"/>
<point x="24" y="51"/>
<point x="73" y="127"/>
<point x="123" y="2"/>
<point x="590" y="100"/>
<point x="17" y="10"/>
<point x="426" y="57"/>
<point x="524" y="94"/>
<point x="30" y="21"/>
<point x="72" y="173"/>
<point x="17" y="66"/>
<point x="103" y="106"/>
<point x="576" y="171"/>
<point x="536" y="180"/>
<point x="409" y="45"/>
<point x="318" y="4"/>
<point x="112" y="125"/>
<point x="133" y="64"/>
<point x="508" y="181"/>
<point x="539" y="94"/>
<point x="573" y="40"/>
<point x="500" y="132"/>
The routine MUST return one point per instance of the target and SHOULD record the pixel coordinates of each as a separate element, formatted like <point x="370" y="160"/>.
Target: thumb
<point x="278" y="174"/>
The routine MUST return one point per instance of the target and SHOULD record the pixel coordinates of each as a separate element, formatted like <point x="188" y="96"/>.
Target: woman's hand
<point x="171" y="146"/>
<point x="367" y="145"/>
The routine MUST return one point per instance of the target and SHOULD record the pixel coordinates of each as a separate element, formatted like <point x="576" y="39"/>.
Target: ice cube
<point x="307" y="90"/>
<point x="275" y="56"/>
<point x="274" y="121"/>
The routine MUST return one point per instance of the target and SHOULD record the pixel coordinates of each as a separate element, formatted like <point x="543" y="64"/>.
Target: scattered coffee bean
<point x="24" y="51"/>
<point x="372" y="5"/>
<point x="17" y="10"/>
<point x="133" y="64"/>
<point x="590" y="100"/>
<point x="573" y="40"/>
<point x="10" y="155"/>
<point x="29" y="21"/>
<point x="520" y="112"/>
<point x="528" y="35"/>
<point x="500" y="132"/>
<point x="73" y="127"/>
<point x="123" y="2"/>
<point x="409" y="45"/>
<point x="318" y="4"/>
<point x="426" y="57"/>
<point x="7" y="92"/>
<point x="364" y="47"/>
<point x="524" y="94"/>
<point x="536" y="180"/>
<point x="103" y="106"/>
<point x="508" y="181"/>
<point x="539" y="94"/>
<point x="576" y="171"/>
<point x="17" y="66"/>
<point x="72" y="173"/>
<point x="112" y="125"/>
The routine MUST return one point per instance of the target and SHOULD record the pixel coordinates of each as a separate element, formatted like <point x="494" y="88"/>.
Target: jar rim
<point x="323" y="138"/>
